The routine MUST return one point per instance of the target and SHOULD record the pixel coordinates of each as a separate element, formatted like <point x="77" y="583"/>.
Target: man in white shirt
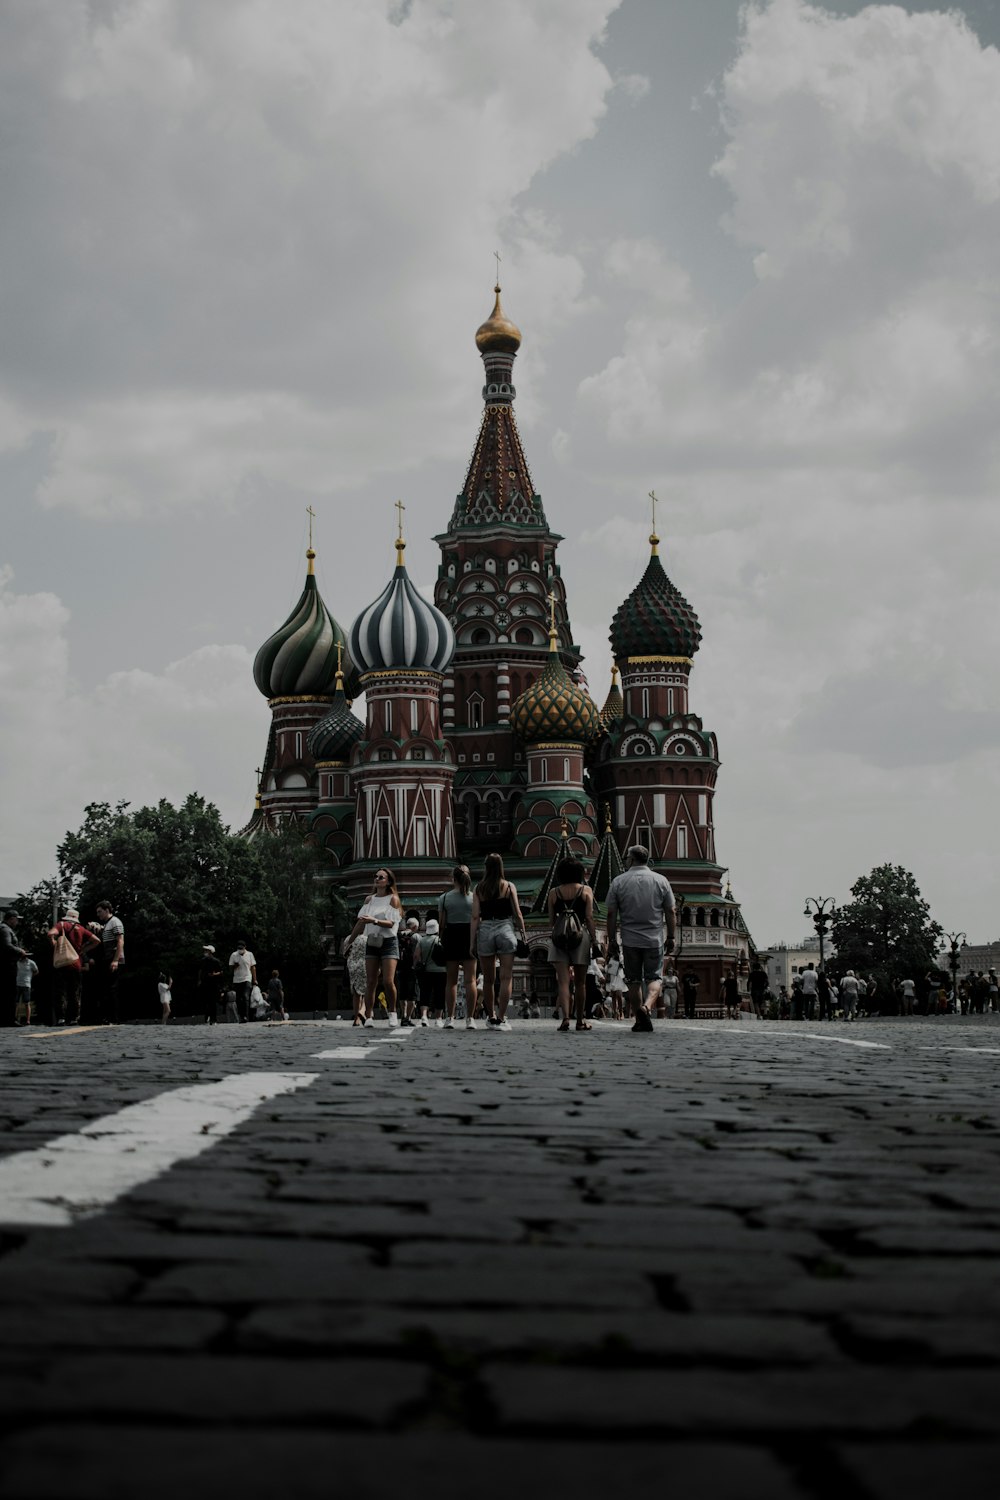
<point x="244" y="967"/>
<point x="810" y="989"/>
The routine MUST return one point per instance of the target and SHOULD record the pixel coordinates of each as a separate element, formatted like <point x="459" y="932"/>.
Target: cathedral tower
<point x="498" y="567"/>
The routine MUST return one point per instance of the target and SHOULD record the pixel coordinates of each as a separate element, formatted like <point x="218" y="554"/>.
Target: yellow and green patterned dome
<point x="554" y="707"/>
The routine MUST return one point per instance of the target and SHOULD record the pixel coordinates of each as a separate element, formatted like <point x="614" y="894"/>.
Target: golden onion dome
<point x="498" y="333"/>
<point x="554" y="707"/>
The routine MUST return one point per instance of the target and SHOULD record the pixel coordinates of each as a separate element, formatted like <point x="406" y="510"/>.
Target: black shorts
<point x="456" y="942"/>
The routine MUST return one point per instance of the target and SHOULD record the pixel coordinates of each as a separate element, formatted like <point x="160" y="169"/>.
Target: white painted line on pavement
<point x="957" y="1047"/>
<point x="808" y="1036"/>
<point x="347" y="1053"/>
<point x="75" y="1176"/>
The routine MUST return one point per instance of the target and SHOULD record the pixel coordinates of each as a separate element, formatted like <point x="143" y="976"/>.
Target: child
<point x="164" y="985"/>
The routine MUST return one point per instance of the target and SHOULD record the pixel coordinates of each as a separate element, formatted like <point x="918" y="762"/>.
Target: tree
<point x="178" y="878"/>
<point x="887" y="929"/>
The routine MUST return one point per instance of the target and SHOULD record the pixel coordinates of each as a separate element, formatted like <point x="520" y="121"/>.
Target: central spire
<point x="498" y="486"/>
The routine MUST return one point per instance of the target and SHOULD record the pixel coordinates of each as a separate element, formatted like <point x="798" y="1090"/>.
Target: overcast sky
<point x="753" y="253"/>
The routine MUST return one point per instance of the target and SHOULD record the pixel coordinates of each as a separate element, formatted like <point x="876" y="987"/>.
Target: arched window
<point x="474" y="711"/>
<point x="480" y="637"/>
<point x="414" y="711"/>
<point x="645" y="703"/>
<point x="298" y="744"/>
<point x="388" y="716"/>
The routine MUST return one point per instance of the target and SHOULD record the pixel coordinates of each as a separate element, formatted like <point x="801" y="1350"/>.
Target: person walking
<point x="644" y="903"/>
<point x="243" y="967"/>
<point x="357" y="978"/>
<point x="494" y="928"/>
<point x="71" y="942"/>
<point x="824" y="994"/>
<point x="810" y="990"/>
<point x="379" y="919"/>
<point x="432" y="971"/>
<point x="112" y="962"/>
<point x="26" y="971"/>
<point x="455" y="918"/>
<point x="731" y="995"/>
<point x="210" y="981"/>
<point x="276" y="998"/>
<point x="11" y="954"/>
<point x="689" y="988"/>
<point x="570" y="907"/>
<point x="164" y="985"/>
<point x="758" y="988"/>
<point x="406" y="970"/>
<point x="849" y="995"/>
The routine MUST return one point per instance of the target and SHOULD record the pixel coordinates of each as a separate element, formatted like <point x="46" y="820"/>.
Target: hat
<point x="207" y="948"/>
<point x="431" y="927"/>
<point x="72" y="915"/>
<point x="11" y="913"/>
<point x="412" y="922"/>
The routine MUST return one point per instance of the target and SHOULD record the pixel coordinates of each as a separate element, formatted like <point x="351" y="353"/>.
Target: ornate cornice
<point x="300" y="698"/>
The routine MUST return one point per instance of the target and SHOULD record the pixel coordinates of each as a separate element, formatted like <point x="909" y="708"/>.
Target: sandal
<point x="563" y="1025"/>
<point x="583" y="1026"/>
<point x="357" y="1021"/>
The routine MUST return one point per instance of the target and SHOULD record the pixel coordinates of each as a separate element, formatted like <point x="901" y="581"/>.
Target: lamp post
<point x="956" y="941"/>
<point x="823" y="912"/>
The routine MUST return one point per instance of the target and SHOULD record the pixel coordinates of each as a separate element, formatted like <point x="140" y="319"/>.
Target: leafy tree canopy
<point x="178" y="878"/>
<point x="887" y="929"/>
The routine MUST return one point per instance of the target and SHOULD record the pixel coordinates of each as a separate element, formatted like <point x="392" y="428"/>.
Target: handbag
<point x="522" y="950"/>
<point x="64" y="955"/>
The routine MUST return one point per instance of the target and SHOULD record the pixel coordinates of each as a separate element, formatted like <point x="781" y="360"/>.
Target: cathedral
<point x="479" y="732"/>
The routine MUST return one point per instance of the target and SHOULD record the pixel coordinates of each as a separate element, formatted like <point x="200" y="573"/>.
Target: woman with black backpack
<point x="571" y="912"/>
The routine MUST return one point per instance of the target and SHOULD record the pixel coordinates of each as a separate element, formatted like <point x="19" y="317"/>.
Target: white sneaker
<point x="503" y="1025"/>
<point x="439" y="1023"/>
<point x="470" y="1024"/>
<point x="393" y="1018"/>
<point x="449" y="1026"/>
<point x="424" y="1021"/>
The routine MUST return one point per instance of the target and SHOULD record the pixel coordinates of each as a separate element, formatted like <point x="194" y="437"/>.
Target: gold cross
<point x="400" y="507"/>
<point x="655" y="502"/>
<point x="496" y="257"/>
<point x="312" y="516"/>
<point x="552" y="610"/>
<point x="340" y="658"/>
<point x="258" y="773"/>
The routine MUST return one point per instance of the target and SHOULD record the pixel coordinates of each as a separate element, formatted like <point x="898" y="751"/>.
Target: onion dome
<point x="300" y="658"/>
<point x="498" y="332"/>
<point x="554" y="707"/>
<point x="337" y="733"/>
<point x="400" y="631"/>
<point x="614" y="703"/>
<point x="655" y="620"/>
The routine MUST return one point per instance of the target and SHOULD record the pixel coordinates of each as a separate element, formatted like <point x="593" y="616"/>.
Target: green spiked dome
<point x="655" y="620"/>
<point x="614" y="703"/>
<point x="554" y="707"/>
<point x="337" y="733"/>
<point x="300" y="659"/>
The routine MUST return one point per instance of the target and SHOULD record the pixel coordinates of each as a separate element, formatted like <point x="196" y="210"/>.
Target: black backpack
<point x="567" y="929"/>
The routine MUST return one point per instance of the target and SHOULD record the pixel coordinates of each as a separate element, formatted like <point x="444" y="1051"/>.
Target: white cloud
<point x="139" y="736"/>
<point x="204" y="203"/>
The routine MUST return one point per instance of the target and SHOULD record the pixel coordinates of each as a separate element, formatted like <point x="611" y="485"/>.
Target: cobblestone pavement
<point x="725" y="1260"/>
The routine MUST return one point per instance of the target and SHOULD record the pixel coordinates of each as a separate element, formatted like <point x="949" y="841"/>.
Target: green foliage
<point x="887" y="929"/>
<point x="178" y="878"/>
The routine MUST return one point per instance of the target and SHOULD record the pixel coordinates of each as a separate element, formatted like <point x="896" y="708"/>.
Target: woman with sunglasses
<point x="379" y="919"/>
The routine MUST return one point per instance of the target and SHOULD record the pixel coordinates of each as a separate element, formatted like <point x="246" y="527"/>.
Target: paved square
<point x="725" y="1259"/>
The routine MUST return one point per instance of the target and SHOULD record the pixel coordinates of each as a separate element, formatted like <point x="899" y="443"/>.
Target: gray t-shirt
<point x="642" y="899"/>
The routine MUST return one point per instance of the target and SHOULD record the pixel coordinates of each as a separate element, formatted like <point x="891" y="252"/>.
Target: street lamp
<point x="956" y="941"/>
<point x="822" y="915"/>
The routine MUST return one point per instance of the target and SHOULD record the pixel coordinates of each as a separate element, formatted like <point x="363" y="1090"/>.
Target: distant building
<point x="973" y="958"/>
<point x="782" y="962"/>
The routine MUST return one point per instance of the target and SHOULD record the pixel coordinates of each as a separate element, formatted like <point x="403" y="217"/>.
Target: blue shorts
<point x="642" y="964"/>
<point x="496" y="936"/>
<point x="388" y="949"/>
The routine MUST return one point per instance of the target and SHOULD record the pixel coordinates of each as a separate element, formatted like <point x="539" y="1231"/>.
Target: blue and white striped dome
<point x="400" y="631"/>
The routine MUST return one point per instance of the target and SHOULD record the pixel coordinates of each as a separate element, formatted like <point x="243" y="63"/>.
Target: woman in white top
<point x="164" y="986"/>
<point x="379" y="919"/>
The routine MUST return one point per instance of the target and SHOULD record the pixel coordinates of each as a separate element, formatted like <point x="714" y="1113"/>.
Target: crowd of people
<point x="457" y="960"/>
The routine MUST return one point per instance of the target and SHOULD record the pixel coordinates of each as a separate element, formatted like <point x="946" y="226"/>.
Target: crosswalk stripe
<point x="75" y="1176"/>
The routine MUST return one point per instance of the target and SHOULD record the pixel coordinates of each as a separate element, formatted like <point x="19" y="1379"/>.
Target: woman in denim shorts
<point x="496" y="923"/>
<point x="379" y="919"/>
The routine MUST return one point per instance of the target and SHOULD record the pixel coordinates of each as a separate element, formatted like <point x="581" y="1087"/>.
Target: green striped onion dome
<point x="555" y="708"/>
<point x="337" y="733"/>
<point x="300" y="658"/>
<point x="655" y="619"/>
